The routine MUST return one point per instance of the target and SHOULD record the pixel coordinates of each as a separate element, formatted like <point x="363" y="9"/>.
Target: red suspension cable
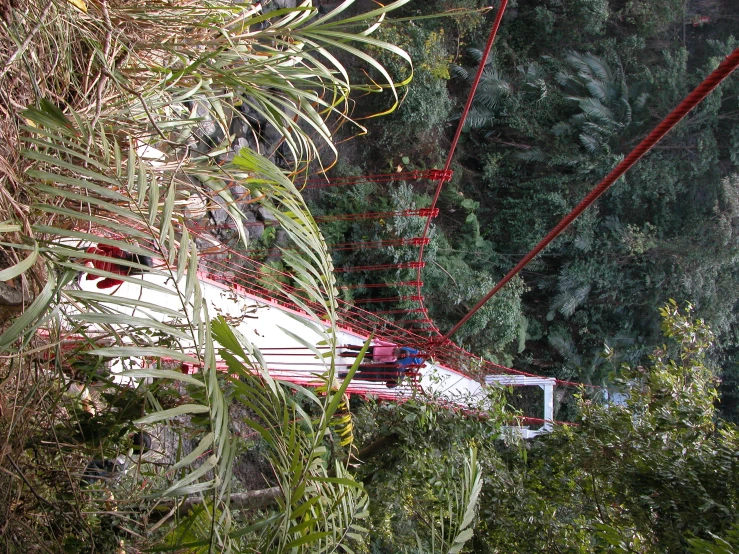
<point x="413" y="298"/>
<point x="422" y="212"/>
<point x="336" y="246"/>
<point x="378" y="267"/>
<point x="465" y="112"/>
<point x="668" y="123"/>
<point x="431" y="175"/>
<point x="383" y="285"/>
<point x="358" y="320"/>
<point x="359" y="245"/>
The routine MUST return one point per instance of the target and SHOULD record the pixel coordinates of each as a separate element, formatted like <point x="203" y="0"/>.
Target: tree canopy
<point x="647" y="467"/>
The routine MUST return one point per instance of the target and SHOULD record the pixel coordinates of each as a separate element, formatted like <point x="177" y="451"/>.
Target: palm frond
<point x="567" y="81"/>
<point x="455" y="525"/>
<point x="319" y="510"/>
<point x="574" y="290"/>
<point x="641" y="101"/>
<point x="493" y="88"/>
<point x="124" y="206"/>
<point x="288" y="73"/>
<point x="479" y="117"/>
<point x="579" y="63"/>
<point x="561" y="128"/>
<point x="460" y="72"/>
<point x="590" y="143"/>
<point x="595" y="109"/>
<point x="598" y="67"/>
<point x="598" y="90"/>
<point x="476" y="55"/>
<point x="532" y="155"/>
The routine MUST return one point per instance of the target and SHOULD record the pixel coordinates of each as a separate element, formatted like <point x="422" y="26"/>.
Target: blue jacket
<point x="411" y="357"/>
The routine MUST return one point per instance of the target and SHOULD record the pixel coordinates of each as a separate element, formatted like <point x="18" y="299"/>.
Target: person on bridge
<point x="405" y="360"/>
<point x="410" y="357"/>
<point x="390" y="373"/>
<point x="381" y="351"/>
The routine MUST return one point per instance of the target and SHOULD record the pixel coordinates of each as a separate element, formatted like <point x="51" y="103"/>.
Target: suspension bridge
<point x="258" y="299"/>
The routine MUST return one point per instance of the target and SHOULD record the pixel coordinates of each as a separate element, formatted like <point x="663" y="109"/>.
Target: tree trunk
<point x="377" y="447"/>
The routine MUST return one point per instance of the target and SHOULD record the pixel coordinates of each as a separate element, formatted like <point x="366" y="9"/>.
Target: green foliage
<point x="82" y="162"/>
<point x="545" y="28"/>
<point x="650" y="18"/>
<point x="603" y="100"/>
<point x="422" y="466"/>
<point x="492" y="89"/>
<point x="425" y="109"/>
<point x="642" y="475"/>
<point x="321" y="506"/>
<point x="566" y="119"/>
<point x="86" y="180"/>
<point x="590" y="15"/>
<point x="727" y="544"/>
<point x="555" y="112"/>
<point x="495" y="325"/>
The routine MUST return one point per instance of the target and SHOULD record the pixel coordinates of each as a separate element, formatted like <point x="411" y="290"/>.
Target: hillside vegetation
<point x="568" y="90"/>
<point x="130" y="125"/>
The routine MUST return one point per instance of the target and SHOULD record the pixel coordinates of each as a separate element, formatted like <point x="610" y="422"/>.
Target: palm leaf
<point x="455" y="524"/>
<point x="145" y="210"/>
<point x="99" y="187"/>
<point x="532" y="155"/>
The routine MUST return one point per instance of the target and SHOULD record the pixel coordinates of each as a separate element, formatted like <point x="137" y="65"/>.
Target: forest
<point x="555" y="111"/>
<point x="569" y="89"/>
<point x="174" y="136"/>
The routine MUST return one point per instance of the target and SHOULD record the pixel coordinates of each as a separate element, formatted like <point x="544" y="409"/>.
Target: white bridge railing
<point x="546" y="383"/>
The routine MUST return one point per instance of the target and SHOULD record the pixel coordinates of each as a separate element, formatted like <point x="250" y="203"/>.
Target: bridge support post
<point x="545" y="383"/>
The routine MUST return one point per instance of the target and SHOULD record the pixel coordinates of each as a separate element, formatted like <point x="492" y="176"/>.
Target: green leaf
<point x="459" y="541"/>
<point x="53" y="111"/>
<point x="35" y="311"/>
<point x="224" y="334"/>
<point x="173" y="412"/>
<point x="21" y="267"/>
<point x="257" y="526"/>
<point x="337" y="480"/>
<point x="120" y="301"/>
<point x="183" y="254"/>
<point x="312" y="537"/>
<point x="190" y="489"/>
<point x="149" y="352"/>
<point x="119" y="320"/>
<point x="181" y="485"/>
<point x="163" y="374"/>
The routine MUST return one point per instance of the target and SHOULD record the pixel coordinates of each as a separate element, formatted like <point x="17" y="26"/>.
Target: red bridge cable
<point x="447" y="174"/>
<point x="364" y="321"/>
<point x="382" y="285"/>
<point x="430" y="174"/>
<point x="691" y="101"/>
<point x="361" y="322"/>
<point x="363" y="317"/>
<point x="360" y="319"/>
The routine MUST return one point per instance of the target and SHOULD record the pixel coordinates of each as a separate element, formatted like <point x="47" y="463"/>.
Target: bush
<point x="426" y="107"/>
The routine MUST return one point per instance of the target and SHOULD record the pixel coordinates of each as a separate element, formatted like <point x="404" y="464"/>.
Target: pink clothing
<point x="383" y="351"/>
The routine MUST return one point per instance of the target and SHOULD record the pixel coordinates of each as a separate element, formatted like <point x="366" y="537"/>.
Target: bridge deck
<point x="268" y="326"/>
